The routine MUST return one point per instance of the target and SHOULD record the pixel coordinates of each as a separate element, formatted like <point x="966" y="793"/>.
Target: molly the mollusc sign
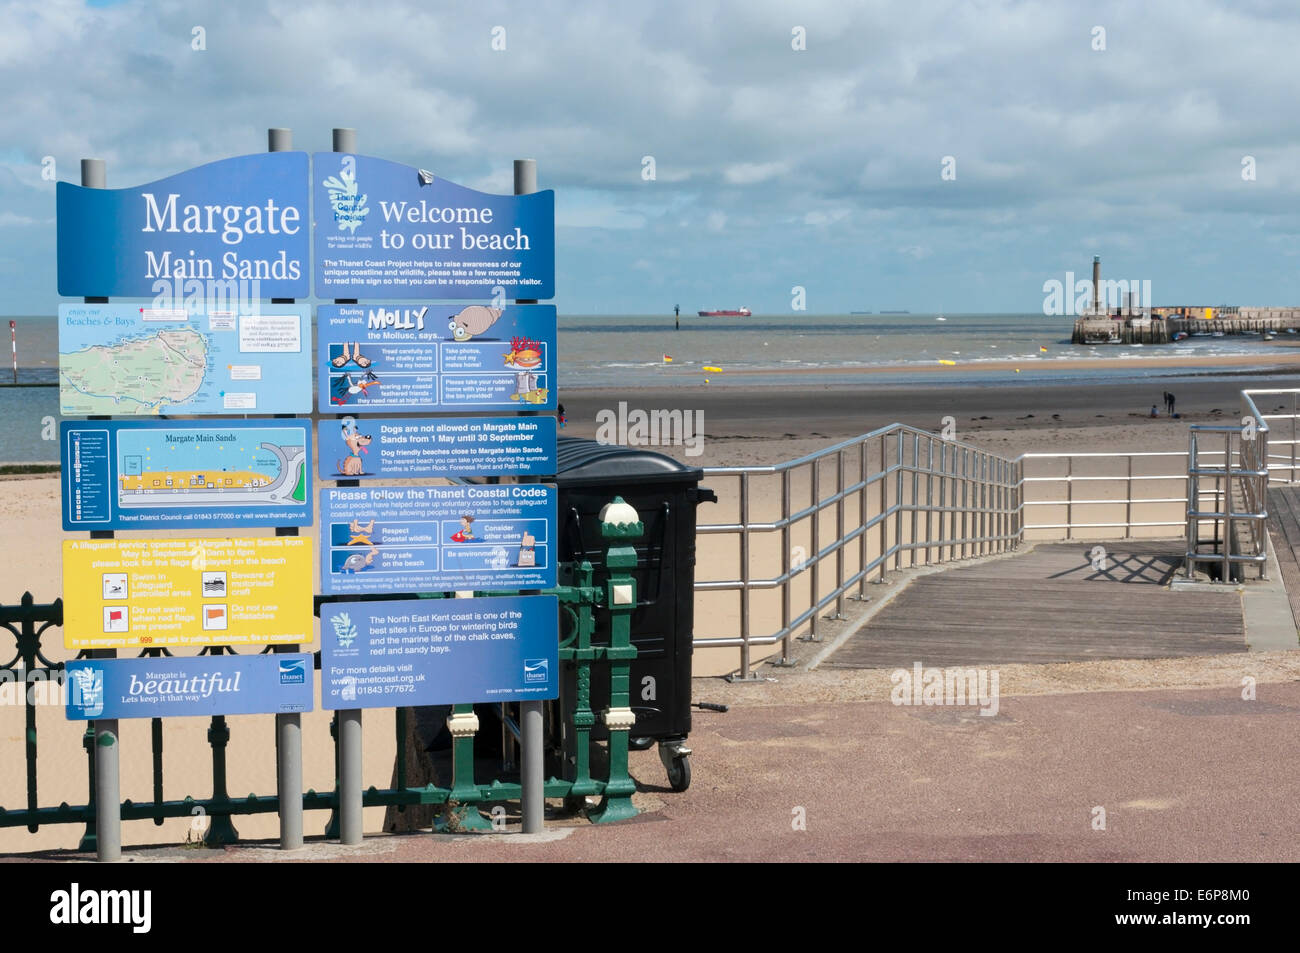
<point x="237" y="220"/>
<point x="204" y="685"/>
<point x="387" y="230"/>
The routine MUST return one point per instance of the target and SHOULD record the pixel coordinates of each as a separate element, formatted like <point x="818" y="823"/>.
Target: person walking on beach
<point x="1170" y="399"/>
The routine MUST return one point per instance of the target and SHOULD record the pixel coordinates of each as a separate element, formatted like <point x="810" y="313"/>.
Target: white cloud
<point x="751" y="173"/>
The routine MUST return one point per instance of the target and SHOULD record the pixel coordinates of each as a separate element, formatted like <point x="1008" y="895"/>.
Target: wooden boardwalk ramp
<point x="1049" y="605"/>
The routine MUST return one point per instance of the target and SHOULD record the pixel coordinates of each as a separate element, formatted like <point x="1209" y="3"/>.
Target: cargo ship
<point x="740" y="313"/>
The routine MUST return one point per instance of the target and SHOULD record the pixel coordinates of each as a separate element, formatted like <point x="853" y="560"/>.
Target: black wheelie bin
<point x="664" y="493"/>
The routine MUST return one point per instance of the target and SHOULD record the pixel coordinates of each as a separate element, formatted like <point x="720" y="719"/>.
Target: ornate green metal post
<point x="619" y="526"/>
<point x="221" y="830"/>
<point x="462" y="803"/>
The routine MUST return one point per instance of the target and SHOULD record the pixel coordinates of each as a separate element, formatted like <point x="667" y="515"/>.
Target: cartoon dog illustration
<point x="472" y="321"/>
<point x="357" y="441"/>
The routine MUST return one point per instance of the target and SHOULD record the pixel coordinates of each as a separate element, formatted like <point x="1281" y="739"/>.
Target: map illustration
<point x="244" y="467"/>
<point x="162" y="369"/>
<point x="128" y="360"/>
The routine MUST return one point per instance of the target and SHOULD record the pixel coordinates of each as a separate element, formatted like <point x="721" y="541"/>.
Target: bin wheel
<point x="679" y="773"/>
<point x="640" y="744"/>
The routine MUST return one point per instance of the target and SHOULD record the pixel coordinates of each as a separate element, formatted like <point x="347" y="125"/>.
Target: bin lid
<point x="580" y="460"/>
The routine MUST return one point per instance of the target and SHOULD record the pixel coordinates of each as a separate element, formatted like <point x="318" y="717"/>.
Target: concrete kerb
<point x="1266" y="610"/>
<point x="1265" y="607"/>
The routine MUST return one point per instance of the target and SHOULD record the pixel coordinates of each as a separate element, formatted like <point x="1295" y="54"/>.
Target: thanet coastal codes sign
<point x="437" y="538"/>
<point x="156" y="474"/>
<point x="133" y="360"/>
<point x="437" y="447"/>
<point x="206" y="685"/>
<point x="439" y="651"/>
<point x="178" y="592"/>
<point x="432" y="357"/>
<point x="236" y="220"/>
<point x="386" y="230"/>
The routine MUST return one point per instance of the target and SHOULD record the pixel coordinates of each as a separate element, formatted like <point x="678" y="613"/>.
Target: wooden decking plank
<point x="1048" y="605"/>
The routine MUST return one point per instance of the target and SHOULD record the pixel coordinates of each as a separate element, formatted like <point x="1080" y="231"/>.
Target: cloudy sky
<point x="775" y="167"/>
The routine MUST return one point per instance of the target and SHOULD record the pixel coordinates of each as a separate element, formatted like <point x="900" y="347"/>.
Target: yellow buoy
<point x="941" y="361"/>
<point x="715" y="370"/>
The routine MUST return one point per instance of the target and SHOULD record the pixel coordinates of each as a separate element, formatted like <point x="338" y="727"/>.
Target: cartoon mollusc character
<point x="466" y="533"/>
<point x="473" y="321"/>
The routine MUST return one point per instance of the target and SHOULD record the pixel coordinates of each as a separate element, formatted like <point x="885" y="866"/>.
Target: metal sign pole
<point x="288" y="726"/>
<point x="345" y="140"/>
<point x="108" y="789"/>
<point x="532" y="799"/>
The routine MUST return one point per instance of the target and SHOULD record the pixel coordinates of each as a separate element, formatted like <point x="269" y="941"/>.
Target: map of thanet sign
<point x="128" y="360"/>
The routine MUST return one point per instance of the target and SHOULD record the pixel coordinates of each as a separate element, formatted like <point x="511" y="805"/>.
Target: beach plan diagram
<point x="229" y="467"/>
<point x="133" y="360"/>
<point x="126" y="474"/>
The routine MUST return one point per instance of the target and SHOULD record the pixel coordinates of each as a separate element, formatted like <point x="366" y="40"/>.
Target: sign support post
<point x="288" y="726"/>
<point x="349" y="720"/>
<point x="108" y="789"/>
<point x="532" y="801"/>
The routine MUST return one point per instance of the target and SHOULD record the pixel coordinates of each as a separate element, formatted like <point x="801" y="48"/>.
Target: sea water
<point x="627" y="352"/>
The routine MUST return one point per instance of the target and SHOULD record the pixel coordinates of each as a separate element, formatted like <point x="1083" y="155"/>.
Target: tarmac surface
<point x="1182" y="775"/>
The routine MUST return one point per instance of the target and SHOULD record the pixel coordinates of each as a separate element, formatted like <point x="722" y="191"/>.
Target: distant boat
<point x="739" y="313"/>
<point x="1178" y="335"/>
<point x="941" y="318"/>
<point x="895" y="312"/>
<point x="1217" y="334"/>
<point x="859" y="312"/>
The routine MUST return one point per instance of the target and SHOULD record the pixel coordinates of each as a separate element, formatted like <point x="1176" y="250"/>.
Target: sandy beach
<point x="743" y="426"/>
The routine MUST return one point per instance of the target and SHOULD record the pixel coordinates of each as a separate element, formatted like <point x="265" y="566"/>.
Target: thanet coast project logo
<point x="349" y="207"/>
<point x="345" y="630"/>
<point x="88" y="690"/>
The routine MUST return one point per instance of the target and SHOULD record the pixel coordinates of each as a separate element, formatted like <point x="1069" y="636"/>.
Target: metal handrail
<point x="976" y="512"/>
<point x="962" y="501"/>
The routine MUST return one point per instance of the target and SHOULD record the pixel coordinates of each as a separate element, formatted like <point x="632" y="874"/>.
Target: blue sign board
<point x="242" y="220"/>
<point x="182" y="475"/>
<point x="386" y="230"/>
<point x="437" y="538"/>
<point x="433" y="357"/>
<point x="129" y="360"/>
<point x="200" y="685"/>
<point x="437" y="447"/>
<point x="439" y="651"/>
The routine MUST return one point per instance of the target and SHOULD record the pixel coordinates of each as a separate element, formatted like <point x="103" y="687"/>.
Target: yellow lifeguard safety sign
<point x="181" y="592"/>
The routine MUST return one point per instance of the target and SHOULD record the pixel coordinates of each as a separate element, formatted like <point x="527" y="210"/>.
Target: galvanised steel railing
<point x="946" y="500"/>
<point x="919" y="495"/>
<point x="1240" y="513"/>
